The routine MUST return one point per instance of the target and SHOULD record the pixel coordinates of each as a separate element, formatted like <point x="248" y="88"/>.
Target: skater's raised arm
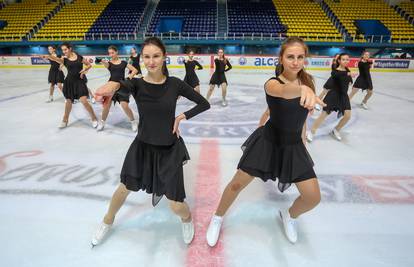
<point x="105" y="63"/>
<point x="86" y="66"/>
<point x="229" y="66"/>
<point x="199" y="66"/>
<point x="189" y="93"/>
<point x="54" y="58"/>
<point x="133" y="71"/>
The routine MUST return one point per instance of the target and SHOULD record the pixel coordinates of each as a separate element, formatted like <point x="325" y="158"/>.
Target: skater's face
<point x="191" y="55"/>
<point x="51" y="49"/>
<point x="293" y="58"/>
<point x="153" y="58"/>
<point x="112" y="53"/>
<point x="344" y="61"/>
<point x="66" y="50"/>
<point x="365" y="56"/>
<point x="220" y="53"/>
<point x="133" y="51"/>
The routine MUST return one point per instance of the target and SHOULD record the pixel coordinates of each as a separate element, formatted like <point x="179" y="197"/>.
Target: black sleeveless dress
<point x="190" y="76"/>
<point x="135" y="63"/>
<point x="276" y="150"/>
<point x="364" y="81"/>
<point x="55" y="74"/>
<point x="118" y="74"/>
<point x="337" y="98"/>
<point x="74" y="87"/>
<point x="219" y="75"/>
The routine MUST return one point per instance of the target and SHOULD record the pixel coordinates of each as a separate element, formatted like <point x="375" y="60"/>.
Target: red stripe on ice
<point x="207" y="195"/>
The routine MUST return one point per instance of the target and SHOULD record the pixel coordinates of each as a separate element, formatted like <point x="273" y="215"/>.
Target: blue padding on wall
<point x="170" y="24"/>
<point x="370" y="27"/>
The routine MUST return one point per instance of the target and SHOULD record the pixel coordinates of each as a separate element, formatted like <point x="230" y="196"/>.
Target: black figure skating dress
<point x="330" y="83"/>
<point x="219" y="75"/>
<point x="337" y="98"/>
<point x="74" y="86"/>
<point x="190" y="76"/>
<point x="154" y="161"/>
<point x="135" y="64"/>
<point x="55" y="74"/>
<point x="364" y="81"/>
<point x="118" y="74"/>
<point x="276" y="150"/>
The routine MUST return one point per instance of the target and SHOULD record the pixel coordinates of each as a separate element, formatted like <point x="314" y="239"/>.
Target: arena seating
<point x="306" y="19"/>
<point x="406" y="10"/>
<point x="120" y="16"/>
<point x="253" y="17"/>
<point x="22" y="17"/>
<point x="198" y="17"/>
<point x="73" y="21"/>
<point x="350" y="10"/>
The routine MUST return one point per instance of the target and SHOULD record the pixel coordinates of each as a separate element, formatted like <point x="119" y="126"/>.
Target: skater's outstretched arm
<point x="54" y="58"/>
<point x="291" y="90"/>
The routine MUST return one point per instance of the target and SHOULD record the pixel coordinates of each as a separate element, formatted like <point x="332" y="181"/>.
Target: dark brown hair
<point x="340" y="57"/>
<point x="304" y="77"/>
<point x="68" y="45"/>
<point x="112" y="47"/>
<point x="158" y="43"/>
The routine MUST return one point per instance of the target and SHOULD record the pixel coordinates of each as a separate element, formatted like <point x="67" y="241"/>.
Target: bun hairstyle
<point x="112" y="47"/>
<point x="304" y="77"/>
<point x="68" y="45"/>
<point x="158" y="43"/>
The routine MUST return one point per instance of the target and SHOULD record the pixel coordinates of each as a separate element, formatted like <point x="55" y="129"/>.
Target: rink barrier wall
<point x="237" y="61"/>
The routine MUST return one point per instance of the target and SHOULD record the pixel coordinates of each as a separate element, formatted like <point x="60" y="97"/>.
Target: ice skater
<point x="276" y="150"/>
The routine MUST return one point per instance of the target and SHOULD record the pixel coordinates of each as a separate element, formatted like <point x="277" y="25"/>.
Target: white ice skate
<point x="289" y="225"/>
<point x="213" y="231"/>
<point x="188" y="231"/>
<point x="101" y="126"/>
<point x="336" y="135"/>
<point x="100" y="233"/>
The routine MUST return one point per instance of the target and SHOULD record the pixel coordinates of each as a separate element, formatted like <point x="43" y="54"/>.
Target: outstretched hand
<point x="308" y="98"/>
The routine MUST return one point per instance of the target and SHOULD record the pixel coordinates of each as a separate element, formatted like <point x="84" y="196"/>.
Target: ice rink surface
<point x="55" y="185"/>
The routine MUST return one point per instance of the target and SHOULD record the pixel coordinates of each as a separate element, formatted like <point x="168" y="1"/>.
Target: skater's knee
<point x="235" y="187"/>
<point x="123" y="190"/>
<point x="347" y="114"/>
<point x="312" y="199"/>
<point x="83" y="100"/>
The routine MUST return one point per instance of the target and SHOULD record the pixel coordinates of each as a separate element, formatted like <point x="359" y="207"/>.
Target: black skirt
<point x="192" y="80"/>
<point x="218" y="79"/>
<point x="271" y="156"/>
<point x="74" y="88"/>
<point x="117" y="97"/>
<point x="56" y="76"/>
<point x="363" y="83"/>
<point x="157" y="170"/>
<point x="336" y="101"/>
